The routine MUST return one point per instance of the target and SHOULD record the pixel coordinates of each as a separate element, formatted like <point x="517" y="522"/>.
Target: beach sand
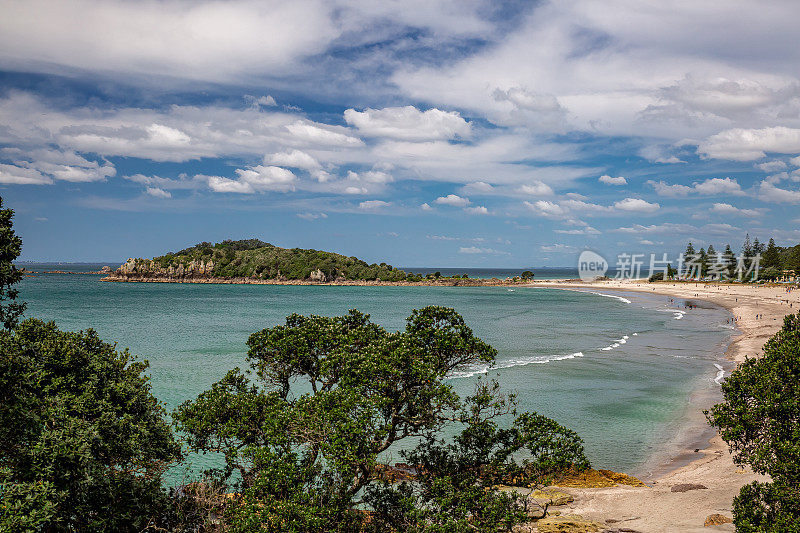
<point x="656" y="508"/>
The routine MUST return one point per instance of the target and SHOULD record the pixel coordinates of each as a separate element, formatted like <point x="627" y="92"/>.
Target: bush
<point x="83" y="443"/>
<point x="760" y="421"/>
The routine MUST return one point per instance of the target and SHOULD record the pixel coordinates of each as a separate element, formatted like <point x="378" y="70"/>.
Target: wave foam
<point x="620" y="298"/>
<point x="533" y="360"/>
<point x="720" y="374"/>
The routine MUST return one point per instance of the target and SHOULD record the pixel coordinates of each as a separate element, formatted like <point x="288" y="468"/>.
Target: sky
<point x="421" y="133"/>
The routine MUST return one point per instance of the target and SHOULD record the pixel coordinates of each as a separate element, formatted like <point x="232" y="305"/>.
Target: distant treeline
<point x="773" y="259"/>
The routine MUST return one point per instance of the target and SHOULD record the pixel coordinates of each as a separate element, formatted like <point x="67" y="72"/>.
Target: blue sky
<point x="421" y="133"/>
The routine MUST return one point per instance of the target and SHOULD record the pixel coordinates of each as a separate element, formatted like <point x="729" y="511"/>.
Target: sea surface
<point x="479" y="273"/>
<point x="621" y="369"/>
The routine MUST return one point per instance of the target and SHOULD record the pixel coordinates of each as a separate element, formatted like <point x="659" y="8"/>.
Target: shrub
<point x="760" y="420"/>
<point x="83" y="443"/>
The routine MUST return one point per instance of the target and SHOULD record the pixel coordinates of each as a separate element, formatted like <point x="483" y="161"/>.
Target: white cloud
<point x="370" y="176"/>
<point x="474" y="250"/>
<point x="294" y="159"/>
<point x="710" y="187"/>
<point x="546" y="208"/>
<point x="536" y="188"/>
<point x="771" y="166"/>
<point x="636" y="205"/>
<point x="311" y="216"/>
<point x="267" y="178"/>
<point x="158" y="193"/>
<point x="325" y="136"/>
<point x="408" y="123"/>
<point x="588" y="230"/>
<point x="220" y="184"/>
<point x="557" y="248"/>
<point x="266" y="101"/>
<point x="770" y="193"/>
<point x="795" y="161"/>
<point x="739" y="144"/>
<point x="477" y="210"/>
<point x="666" y="227"/>
<point x="426" y="207"/>
<point x="608" y="180"/>
<point x="373" y="204"/>
<point x="477" y="188"/>
<point x="183" y="182"/>
<point x="255" y="179"/>
<point x="667" y="189"/>
<point x="527" y="107"/>
<point x="60" y="165"/>
<point x="718" y="186"/>
<point x="453" y="200"/>
<point x="728" y="209"/>
<point x="14" y="175"/>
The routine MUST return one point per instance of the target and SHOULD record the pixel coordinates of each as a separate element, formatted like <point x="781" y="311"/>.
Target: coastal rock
<point x="551" y="496"/>
<point x="684" y="487"/>
<point x="568" y="524"/>
<point x="717" y="519"/>
<point x="622" y="479"/>
<point x="318" y="276"/>
<point x="595" y="479"/>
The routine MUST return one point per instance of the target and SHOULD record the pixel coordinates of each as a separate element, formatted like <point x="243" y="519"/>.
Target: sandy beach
<point x="759" y="313"/>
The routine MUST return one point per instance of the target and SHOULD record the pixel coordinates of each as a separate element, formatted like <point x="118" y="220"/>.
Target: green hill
<point x="252" y="258"/>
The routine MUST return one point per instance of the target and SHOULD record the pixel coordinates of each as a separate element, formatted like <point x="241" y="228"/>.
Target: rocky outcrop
<point x="595" y="479"/>
<point x="136" y="269"/>
<point x="685" y="487"/>
<point x="318" y="276"/>
<point x="717" y="519"/>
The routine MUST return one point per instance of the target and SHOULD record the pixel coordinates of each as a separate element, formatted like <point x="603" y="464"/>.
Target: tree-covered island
<point x="256" y="261"/>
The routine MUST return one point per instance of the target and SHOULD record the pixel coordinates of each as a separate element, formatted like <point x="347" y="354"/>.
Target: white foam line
<point x="720" y="374"/>
<point x="512" y="363"/>
<point x="620" y="298"/>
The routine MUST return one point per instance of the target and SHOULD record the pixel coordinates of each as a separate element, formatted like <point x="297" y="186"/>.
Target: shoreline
<point x="441" y="282"/>
<point x="656" y="508"/>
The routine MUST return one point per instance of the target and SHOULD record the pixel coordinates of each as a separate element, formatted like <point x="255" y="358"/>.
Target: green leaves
<point x="760" y="421"/>
<point x="324" y="397"/>
<point x="83" y="443"/>
<point x="10" y="248"/>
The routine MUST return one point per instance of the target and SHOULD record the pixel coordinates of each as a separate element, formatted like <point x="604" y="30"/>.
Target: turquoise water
<point x="560" y="351"/>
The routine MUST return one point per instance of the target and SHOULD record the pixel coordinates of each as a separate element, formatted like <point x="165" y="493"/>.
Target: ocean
<point x="624" y="370"/>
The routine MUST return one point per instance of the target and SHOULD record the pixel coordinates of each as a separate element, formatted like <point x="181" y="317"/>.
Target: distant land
<point x="256" y="261"/>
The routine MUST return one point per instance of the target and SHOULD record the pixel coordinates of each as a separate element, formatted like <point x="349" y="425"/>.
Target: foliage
<point x="527" y="274"/>
<point x="252" y="258"/>
<point x="760" y="421"/>
<point x="10" y="248"/>
<point x="83" y="443"/>
<point x="304" y="429"/>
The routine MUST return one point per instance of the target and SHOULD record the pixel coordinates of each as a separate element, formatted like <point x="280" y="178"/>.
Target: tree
<point x="10" y="248"/>
<point x="747" y="247"/>
<point x="83" y="442"/>
<point x="758" y="247"/>
<point x="527" y="274"/>
<point x="730" y="261"/>
<point x="771" y="257"/>
<point x="703" y="260"/>
<point x="303" y="429"/>
<point x="760" y="420"/>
